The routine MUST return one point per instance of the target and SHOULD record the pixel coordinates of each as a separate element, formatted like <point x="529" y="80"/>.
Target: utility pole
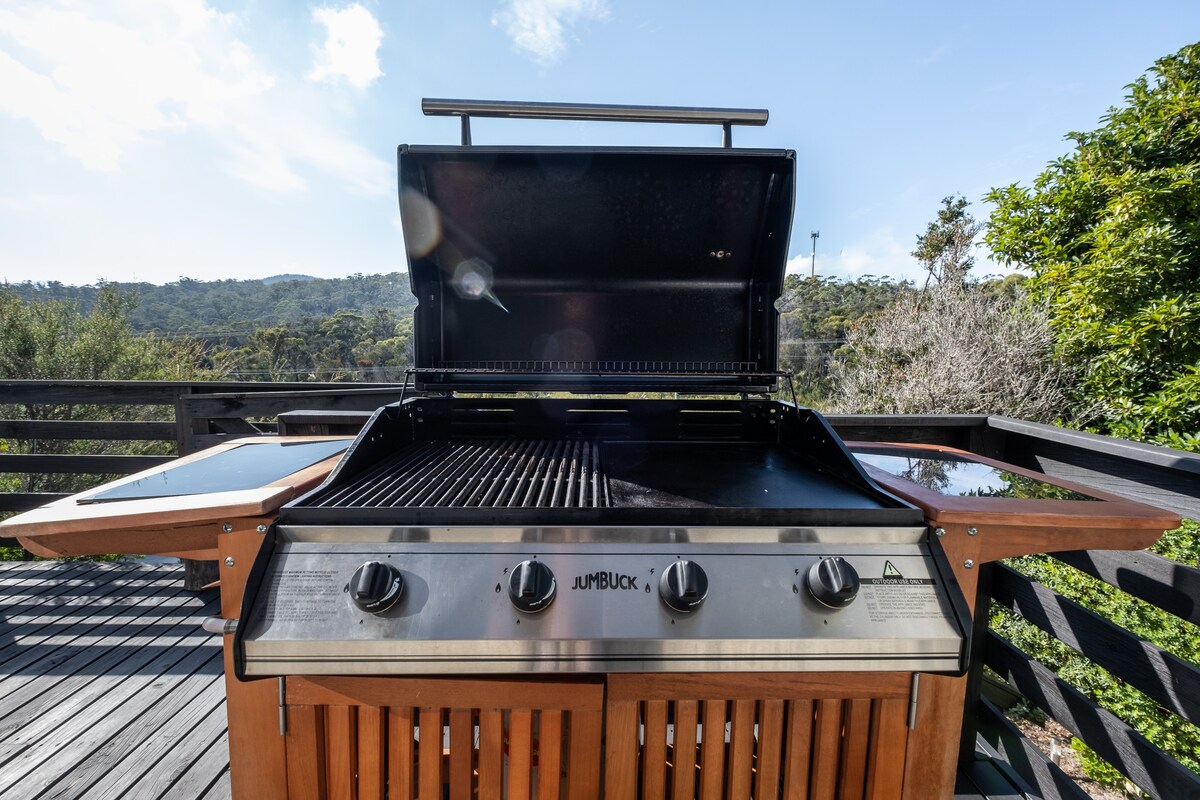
<point x="815" y="235"/>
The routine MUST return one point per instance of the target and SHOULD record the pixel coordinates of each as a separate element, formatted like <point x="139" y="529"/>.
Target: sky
<point x="155" y="140"/>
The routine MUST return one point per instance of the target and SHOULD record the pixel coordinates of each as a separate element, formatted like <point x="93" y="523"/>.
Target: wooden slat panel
<point x="306" y="752"/>
<point x="827" y="740"/>
<point x="550" y="733"/>
<point x="587" y="693"/>
<point x="769" y="748"/>
<point x="1114" y="741"/>
<point x="741" y="748"/>
<point x="889" y="739"/>
<point x="520" y="753"/>
<point x="931" y="753"/>
<point x="429" y="755"/>
<point x="372" y="757"/>
<point x="1171" y="586"/>
<point x="342" y="750"/>
<point x="583" y="764"/>
<point x="462" y="750"/>
<point x="855" y="739"/>
<point x="654" y="751"/>
<point x="400" y="753"/>
<point x="757" y="685"/>
<point x="797" y="754"/>
<point x="1167" y="679"/>
<point x="621" y="749"/>
<point x="683" y="776"/>
<point x="491" y="743"/>
<point x="712" y="751"/>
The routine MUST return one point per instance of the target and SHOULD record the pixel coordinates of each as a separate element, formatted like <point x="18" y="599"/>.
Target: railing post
<point x="979" y="632"/>
<point x="196" y="574"/>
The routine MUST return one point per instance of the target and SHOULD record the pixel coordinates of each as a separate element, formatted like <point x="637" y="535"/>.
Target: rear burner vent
<point x="479" y="473"/>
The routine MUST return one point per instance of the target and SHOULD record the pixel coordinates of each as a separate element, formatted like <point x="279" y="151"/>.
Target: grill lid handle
<point x="508" y="109"/>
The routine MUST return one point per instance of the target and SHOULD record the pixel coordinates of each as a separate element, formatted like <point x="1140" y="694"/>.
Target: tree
<point x="54" y="340"/>
<point x="955" y="346"/>
<point x="1111" y="235"/>
<point x="945" y="249"/>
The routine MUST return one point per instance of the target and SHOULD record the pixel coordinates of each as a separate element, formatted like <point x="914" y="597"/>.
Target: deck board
<point x="109" y="689"/>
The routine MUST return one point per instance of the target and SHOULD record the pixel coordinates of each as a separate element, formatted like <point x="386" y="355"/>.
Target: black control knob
<point x="833" y="582"/>
<point x="376" y="586"/>
<point x="531" y="586"/>
<point x="683" y="586"/>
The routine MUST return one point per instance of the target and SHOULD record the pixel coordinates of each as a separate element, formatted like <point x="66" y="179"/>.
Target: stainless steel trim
<point x="219" y="626"/>
<point x="380" y="534"/>
<point x="282" y="707"/>
<point x="912" y="700"/>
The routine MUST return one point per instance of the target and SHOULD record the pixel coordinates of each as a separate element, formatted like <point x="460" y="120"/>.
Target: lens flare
<point x="422" y="223"/>
<point x="472" y="280"/>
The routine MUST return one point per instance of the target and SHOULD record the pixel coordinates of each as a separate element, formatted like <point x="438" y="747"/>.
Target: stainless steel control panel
<point x="480" y="607"/>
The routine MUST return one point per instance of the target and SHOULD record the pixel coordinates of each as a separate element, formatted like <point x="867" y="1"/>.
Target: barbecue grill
<point x="601" y="563"/>
<point x="493" y="535"/>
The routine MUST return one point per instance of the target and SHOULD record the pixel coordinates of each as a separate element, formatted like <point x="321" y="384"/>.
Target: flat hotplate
<point x="721" y="475"/>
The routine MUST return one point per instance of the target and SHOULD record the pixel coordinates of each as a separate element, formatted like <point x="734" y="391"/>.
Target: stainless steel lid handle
<point x="725" y="117"/>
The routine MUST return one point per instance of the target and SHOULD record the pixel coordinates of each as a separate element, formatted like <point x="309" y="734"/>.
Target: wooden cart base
<point x="827" y="735"/>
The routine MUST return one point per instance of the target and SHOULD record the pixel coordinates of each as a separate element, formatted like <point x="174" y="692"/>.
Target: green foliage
<point x="54" y="340"/>
<point x="1111" y="233"/>
<point x="956" y="346"/>
<point x="945" y="247"/>
<point x="345" y="346"/>
<point x="1174" y="735"/>
<point x="357" y="328"/>
<point x="231" y="309"/>
<point x="815" y="315"/>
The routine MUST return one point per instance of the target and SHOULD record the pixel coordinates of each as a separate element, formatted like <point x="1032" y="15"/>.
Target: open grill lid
<point x="596" y="269"/>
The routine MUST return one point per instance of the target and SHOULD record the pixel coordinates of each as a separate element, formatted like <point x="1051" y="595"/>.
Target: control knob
<point x="531" y="586"/>
<point x="376" y="586"/>
<point x="833" y="582"/>
<point x="683" y="585"/>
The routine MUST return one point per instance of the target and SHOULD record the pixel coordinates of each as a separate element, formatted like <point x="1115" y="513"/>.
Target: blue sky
<point x="241" y="139"/>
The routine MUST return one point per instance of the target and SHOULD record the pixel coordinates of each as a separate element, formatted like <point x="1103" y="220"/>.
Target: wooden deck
<point x="108" y="686"/>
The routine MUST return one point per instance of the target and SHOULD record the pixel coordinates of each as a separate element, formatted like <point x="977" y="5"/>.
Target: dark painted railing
<point x="208" y="413"/>
<point x="1154" y="475"/>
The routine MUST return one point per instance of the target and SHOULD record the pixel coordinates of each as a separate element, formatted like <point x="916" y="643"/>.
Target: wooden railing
<point x="1157" y="476"/>
<point x="207" y="413"/>
<point x="196" y="415"/>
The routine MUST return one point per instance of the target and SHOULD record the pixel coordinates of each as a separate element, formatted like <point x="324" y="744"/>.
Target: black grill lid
<point x="610" y="269"/>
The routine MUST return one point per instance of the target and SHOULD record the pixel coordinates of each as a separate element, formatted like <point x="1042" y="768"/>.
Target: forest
<point x="359" y="328"/>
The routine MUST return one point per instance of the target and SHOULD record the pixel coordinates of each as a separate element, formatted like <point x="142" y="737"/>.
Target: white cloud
<point x="102" y="82"/>
<point x="538" y="27"/>
<point x="879" y="253"/>
<point x="351" y="49"/>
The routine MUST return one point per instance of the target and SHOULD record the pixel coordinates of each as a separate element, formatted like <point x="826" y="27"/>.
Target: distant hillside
<point x="232" y="307"/>
<point x="287" y="277"/>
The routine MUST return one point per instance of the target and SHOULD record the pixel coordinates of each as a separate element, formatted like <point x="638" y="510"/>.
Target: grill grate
<point x="482" y="473"/>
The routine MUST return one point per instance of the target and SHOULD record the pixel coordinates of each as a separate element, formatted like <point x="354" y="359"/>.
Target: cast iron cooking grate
<point x="480" y="473"/>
